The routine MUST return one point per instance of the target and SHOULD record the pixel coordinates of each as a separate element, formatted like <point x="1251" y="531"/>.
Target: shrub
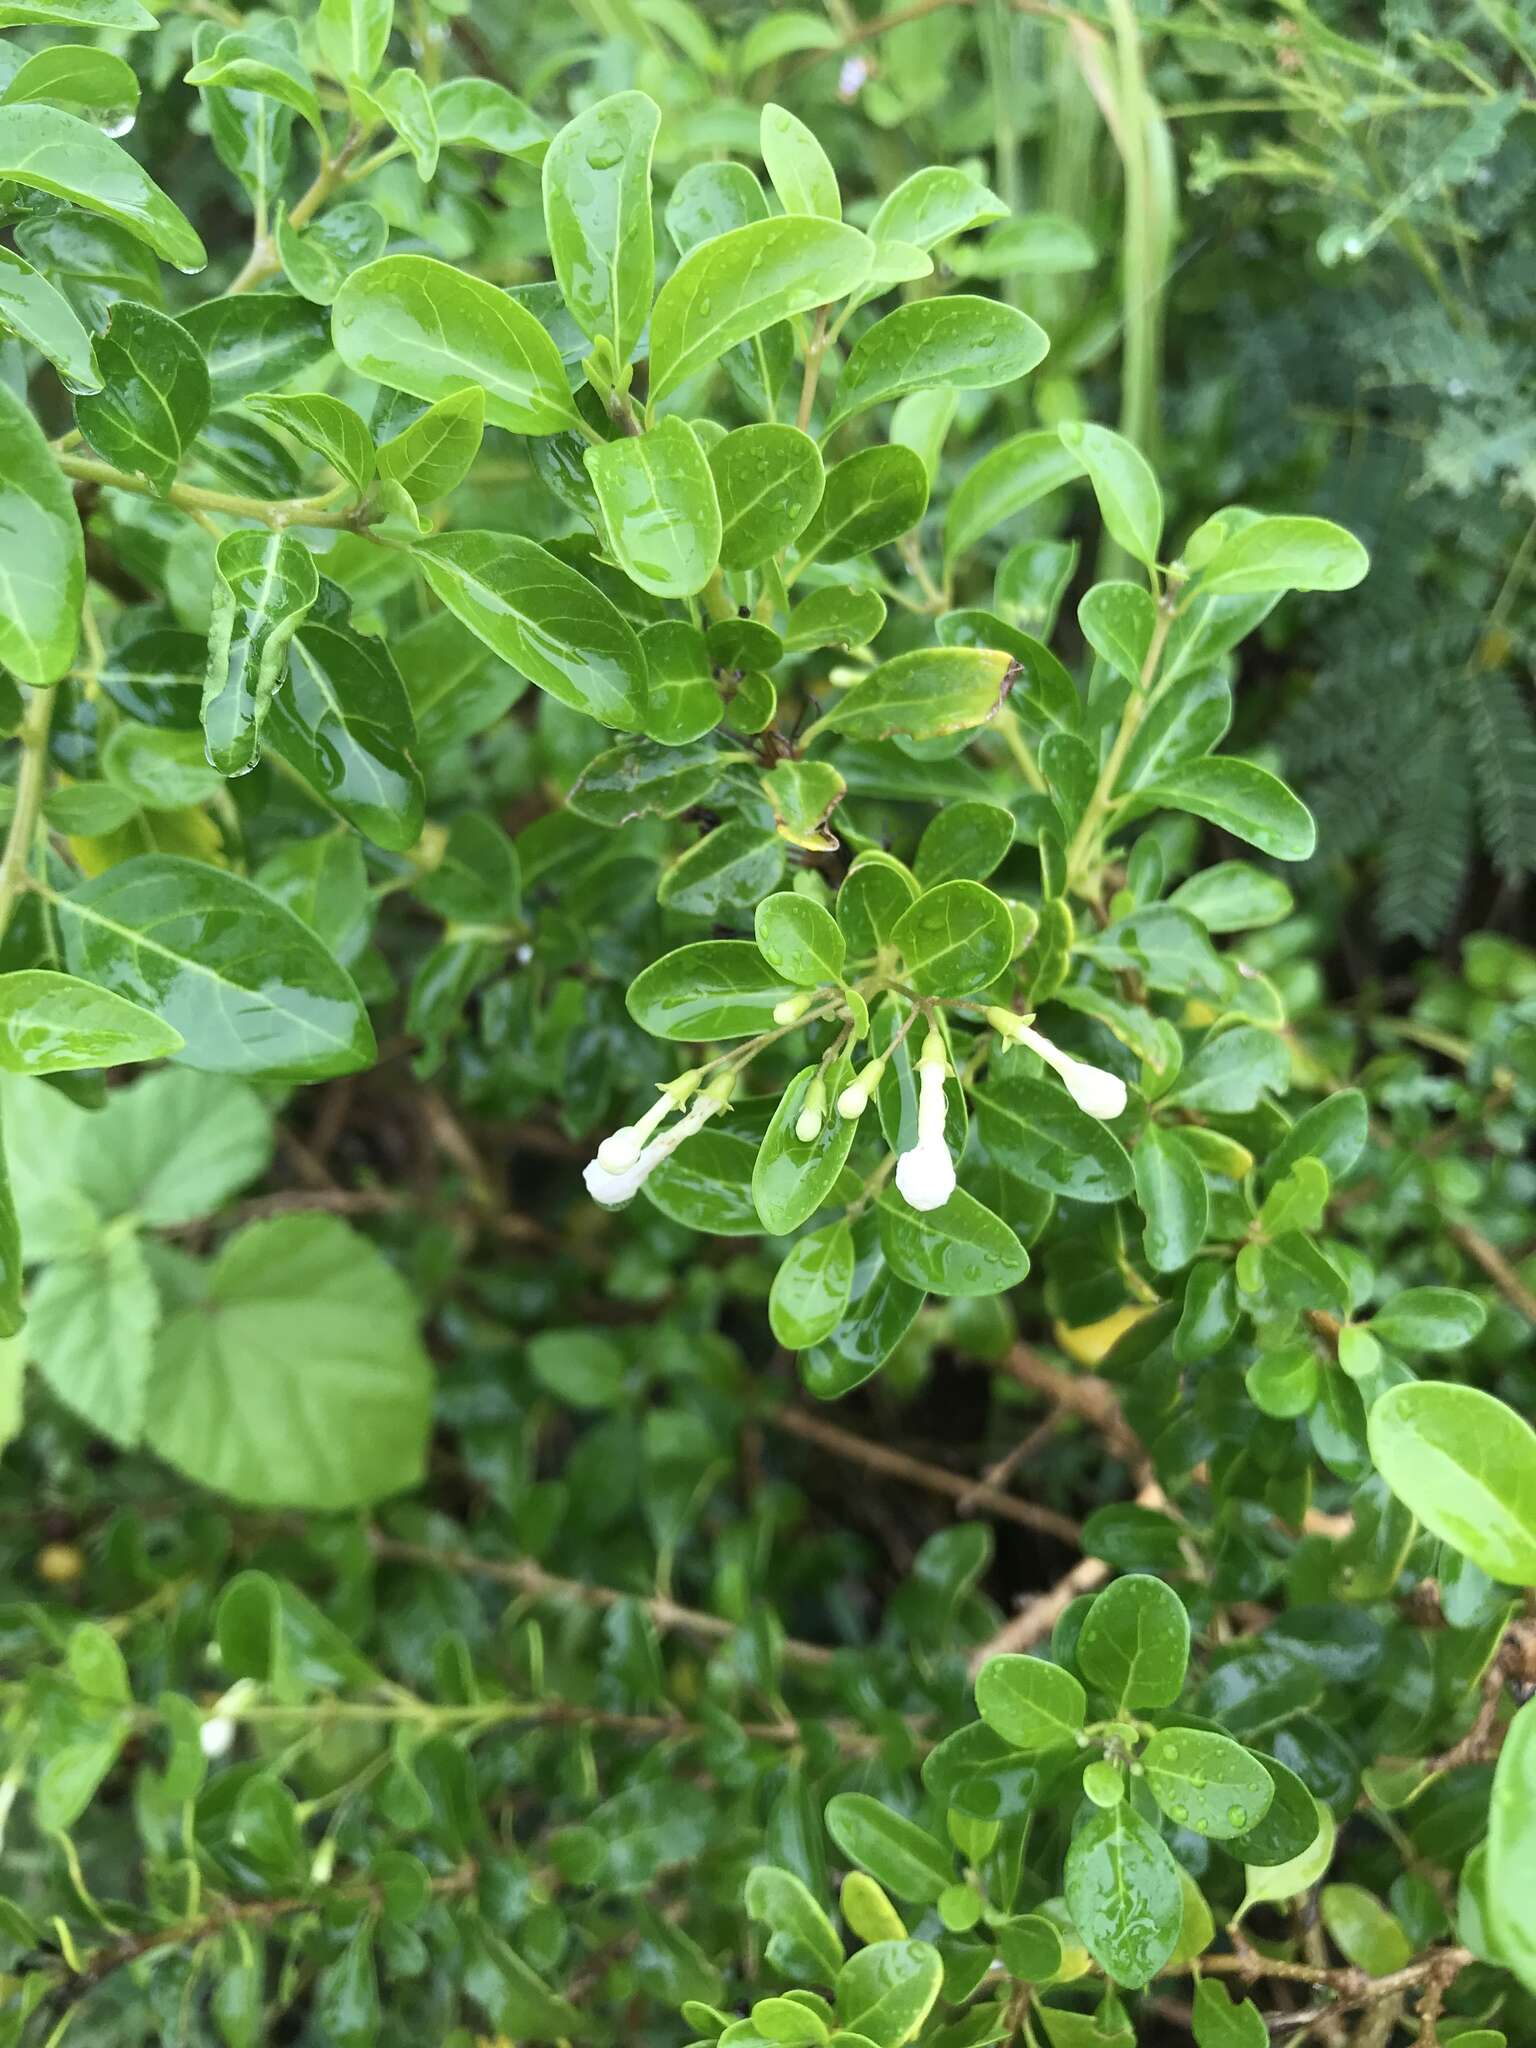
<point x="645" y="937"/>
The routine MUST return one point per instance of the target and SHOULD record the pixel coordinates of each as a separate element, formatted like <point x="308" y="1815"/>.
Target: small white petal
<point x="216" y="1735"/>
<point x="1095" y="1092"/>
<point x="613" y="1190"/>
<point x="618" y="1152"/>
<point x="926" y="1176"/>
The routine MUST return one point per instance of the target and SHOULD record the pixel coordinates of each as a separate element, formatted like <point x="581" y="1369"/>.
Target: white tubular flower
<point x="216" y="1736"/>
<point x="612" y="1190"/>
<point x="619" y="1151"/>
<point x="813" y="1112"/>
<point x="855" y="1098"/>
<point x="926" y="1174"/>
<point x="1096" y="1092"/>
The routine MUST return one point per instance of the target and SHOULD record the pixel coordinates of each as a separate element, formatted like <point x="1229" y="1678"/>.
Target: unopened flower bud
<point x="619" y="1151"/>
<point x="794" y="1007"/>
<point x="855" y="1098"/>
<point x="812" y="1113"/>
<point x="1095" y="1091"/>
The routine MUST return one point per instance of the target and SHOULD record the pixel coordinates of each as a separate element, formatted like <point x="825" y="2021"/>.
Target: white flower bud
<point x="926" y="1175"/>
<point x="619" y="1151"/>
<point x="1095" y="1091"/>
<point x="813" y="1112"/>
<point x="613" y="1190"/>
<point x="794" y="1007"/>
<point x="216" y="1736"/>
<point x="855" y="1098"/>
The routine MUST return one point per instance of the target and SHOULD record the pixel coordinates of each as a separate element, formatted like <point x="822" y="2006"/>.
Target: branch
<point x="31" y="781"/>
<point x="1497" y="1267"/>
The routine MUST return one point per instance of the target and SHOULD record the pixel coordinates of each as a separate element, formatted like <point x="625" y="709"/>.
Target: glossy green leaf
<point x="682" y="702"/>
<point x="799" y="939"/>
<point x="842" y="615"/>
<point x="155" y="396"/>
<point x="1035" y="1131"/>
<point x="641" y="778"/>
<point x="51" y="1023"/>
<point x="659" y="508"/>
<point x="298" y="1379"/>
<point x="417" y="325"/>
<point x="328" y="426"/>
<point x="791" y="1179"/>
<point x="1512" y="1846"/>
<point x="1429" y="1319"/>
<point x="869" y="499"/>
<point x="42" y="562"/>
<point x="50" y="150"/>
<point x="1118" y="622"/>
<point x="1241" y="798"/>
<point x="1033" y="1705"/>
<point x="730" y="288"/>
<point x="967" y="343"/>
<point x="886" y="1991"/>
<point x="895" y="1851"/>
<point x="1122" y="1890"/>
<point x="248" y="986"/>
<point x="406" y="103"/>
<point x="1233" y="896"/>
<point x="114" y="14"/>
<point x="706" y="1185"/>
<point x="799" y="169"/>
<point x="38" y="314"/>
<point x="266" y="584"/>
<point x="251" y="62"/>
<point x="954" y="939"/>
<point x="548" y="621"/>
<point x="319" y="260"/>
<point x="1206" y="1781"/>
<point x="1129" y="500"/>
<point x="1465" y="1464"/>
<point x="1134" y="1643"/>
<point x="925" y="694"/>
<point x="960" y="1248"/>
<point x="784" y="1905"/>
<point x="1361" y="1927"/>
<point x="255" y="341"/>
<point x="1287" y="553"/>
<point x="481" y="114"/>
<point x="433" y="455"/>
<point x="597" y="210"/>
<point x="720" y="988"/>
<point x="932" y="205"/>
<point x="1170" y="1187"/>
<point x="768" y="482"/>
<point x="810" y="1290"/>
<point x="803" y="795"/>
<point x="1005" y="483"/>
<point x="1218" y="2023"/>
<point x="353" y="36"/>
<point x="964" y="842"/>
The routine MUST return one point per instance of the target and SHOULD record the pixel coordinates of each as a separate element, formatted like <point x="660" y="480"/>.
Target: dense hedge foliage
<point x="797" y="1336"/>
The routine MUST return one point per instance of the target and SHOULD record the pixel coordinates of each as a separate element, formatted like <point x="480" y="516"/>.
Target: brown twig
<point x="1497" y="1267"/>
<point x="1037" y="1617"/>
<point x="843" y="1443"/>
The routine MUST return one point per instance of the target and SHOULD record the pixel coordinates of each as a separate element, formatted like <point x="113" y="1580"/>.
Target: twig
<point x="1497" y="1267"/>
<point x="532" y="1580"/>
<point x="1037" y="1617"/>
<point x="1002" y="1469"/>
<point x="843" y="1443"/>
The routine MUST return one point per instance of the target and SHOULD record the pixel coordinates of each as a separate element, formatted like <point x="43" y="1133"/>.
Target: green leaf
<point x="965" y="842"/>
<point x="114" y="14"/>
<point x="869" y="499"/>
<point x="1218" y="2023"/>
<point x="31" y="308"/>
<point x="1206" y="1781"/>
<point x="707" y="1184"/>
<point x="933" y="205"/>
<point x="1134" y="1643"/>
<point x="799" y="939"/>
<point x="52" y="1024"/>
<point x="417" y="325"/>
<point x="768" y="482"/>
<point x="1037" y="1133"/>
<point x="781" y="1901"/>
<point x="1234" y="897"/>
<point x="839" y="616"/>
<point x="1171" y="1190"/>
<point x="580" y="1367"/>
<point x="297" y="1380"/>
<point x="895" y="1851"/>
<point x="480" y="114"/>
<point x="347" y="2004"/>
<point x="548" y="621"/>
<point x="799" y="169"/>
<point x="1465" y="1464"/>
<point x="720" y="988"/>
<point x="353" y="36"/>
<point x="659" y="507"/>
<point x="1232" y="1072"/>
<point x="1363" y="1930"/>
<point x="1118" y="622"/>
<point x="248" y="986"/>
<point x="319" y="261"/>
<point x="174" y="1146"/>
<point x="90" y="1328"/>
<point x="155" y="395"/>
<point x="253" y="341"/>
<point x="733" y="287"/>
<point x="344" y="724"/>
<point x="249" y="62"/>
<point x="642" y="778"/>
<point x="1033" y="1705"/>
<point x="1287" y="553"/>
<point x="597" y="209"/>
<point x="406" y="104"/>
<point x="42" y="565"/>
<point x="791" y="1180"/>
<point x="11" y="1312"/>
<point x="724" y="874"/>
<point x="682" y="702"/>
<point x="810" y="1290"/>
<point x="960" y="1248"/>
<point x="266" y="584"/>
<point x="1429" y="1319"/>
<point x="1511" y="1867"/>
<point x="954" y="939"/>
<point x="925" y="694"/>
<point x="802" y="796"/>
<point x="1005" y="483"/>
<point x="328" y="426"/>
<point x="965" y="343"/>
<point x="1123" y="1892"/>
<point x="1241" y="798"/>
<point x="433" y="455"/>
<point x="886" y="1991"/>
<point x="1129" y="500"/>
<point x="48" y="150"/>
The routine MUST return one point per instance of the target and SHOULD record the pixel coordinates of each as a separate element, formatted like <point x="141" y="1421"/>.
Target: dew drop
<point x="602" y="156"/>
<point x="1238" y="1815"/>
<point x="1179" y="1812"/>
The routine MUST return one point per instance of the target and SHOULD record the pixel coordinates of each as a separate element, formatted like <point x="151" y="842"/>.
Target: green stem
<point x="264" y="261"/>
<point x="274" y="512"/>
<point x="31" y="781"/>
<point x="815" y="348"/>
<point x="1083" y="853"/>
